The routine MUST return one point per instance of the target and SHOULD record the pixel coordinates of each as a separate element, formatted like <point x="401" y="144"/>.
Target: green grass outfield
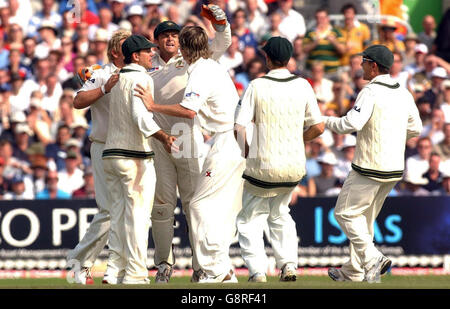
<point x="303" y="282"/>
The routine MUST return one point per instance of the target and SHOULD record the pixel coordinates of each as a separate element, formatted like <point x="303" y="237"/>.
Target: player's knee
<point x="163" y="212"/>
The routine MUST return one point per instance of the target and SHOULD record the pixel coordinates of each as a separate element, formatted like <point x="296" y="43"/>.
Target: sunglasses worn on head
<point x="367" y="60"/>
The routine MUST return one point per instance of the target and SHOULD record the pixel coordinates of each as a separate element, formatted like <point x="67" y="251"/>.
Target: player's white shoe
<point x="229" y="277"/>
<point x="257" y="277"/>
<point x="377" y="268"/>
<point x="288" y="272"/>
<point x="336" y="274"/>
<point x="83" y="276"/>
<point x="196" y="275"/>
<point x="107" y="279"/>
<point x="164" y="273"/>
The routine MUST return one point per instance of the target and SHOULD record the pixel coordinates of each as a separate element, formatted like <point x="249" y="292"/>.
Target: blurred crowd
<point x="44" y="144"/>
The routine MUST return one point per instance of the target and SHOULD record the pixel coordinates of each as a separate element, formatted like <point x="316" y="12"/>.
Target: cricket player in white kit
<point x="95" y="94"/>
<point x="385" y="117"/>
<point x="128" y="164"/>
<point x="169" y="73"/>
<point x="211" y="96"/>
<point x="280" y="105"/>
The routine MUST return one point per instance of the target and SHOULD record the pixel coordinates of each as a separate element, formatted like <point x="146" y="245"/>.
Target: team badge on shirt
<point x="153" y="69"/>
<point x="179" y="64"/>
<point x="192" y="94"/>
<point x="208" y="174"/>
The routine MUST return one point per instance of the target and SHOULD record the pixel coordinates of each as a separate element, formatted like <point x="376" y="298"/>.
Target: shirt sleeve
<point x="414" y="122"/>
<point x="141" y="116"/>
<point x="196" y="93"/>
<point x="221" y="42"/>
<point x="312" y="112"/>
<point x="356" y="118"/>
<point x="247" y="107"/>
<point x="96" y="81"/>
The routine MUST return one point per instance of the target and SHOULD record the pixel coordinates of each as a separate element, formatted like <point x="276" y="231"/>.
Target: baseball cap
<point x="36" y="149"/>
<point x="71" y="155"/>
<point x="349" y="141"/>
<point x="412" y="36"/>
<point x="39" y="162"/>
<point x="327" y="158"/>
<point x="421" y="48"/>
<point x="135" y="10"/>
<point x="18" y="178"/>
<point x="101" y="35"/>
<point x="48" y="24"/>
<point x="278" y="49"/>
<point x="389" y="23"/>
<point x="154" y="2"/>
<point x="380" y="54"/>
<point x="135" y="43"/>
<point x="165" y="26"/>
<point x="79" y="122"/>
<point x="439" y="72"/>
<point x="73" y="142"/>
<point x="23" y="128"/>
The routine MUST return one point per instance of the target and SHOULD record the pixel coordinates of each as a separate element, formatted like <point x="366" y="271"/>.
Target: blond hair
<point x="194" y="42"/>
<point x="114" y="42"/>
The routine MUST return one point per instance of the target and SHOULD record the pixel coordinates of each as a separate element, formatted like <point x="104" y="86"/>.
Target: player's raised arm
<point x="218" y="19"/>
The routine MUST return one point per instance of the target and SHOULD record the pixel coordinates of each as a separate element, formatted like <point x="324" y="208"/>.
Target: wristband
<point x="104" y="89"/>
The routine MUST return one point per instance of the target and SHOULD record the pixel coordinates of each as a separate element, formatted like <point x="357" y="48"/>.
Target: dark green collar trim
<point x="128" y="71"/>
<point x="377" y="174"/>
<point x="395" y="86"/>
<point x="269" y="185"/>
<point x="282" y="80"/>
<point x="127" y="153"/>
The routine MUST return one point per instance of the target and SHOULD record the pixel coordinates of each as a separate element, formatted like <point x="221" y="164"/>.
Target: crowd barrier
<point x="413" y="231"/>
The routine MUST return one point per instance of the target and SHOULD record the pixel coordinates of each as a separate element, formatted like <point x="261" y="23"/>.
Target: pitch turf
<point x="303" y="282"/>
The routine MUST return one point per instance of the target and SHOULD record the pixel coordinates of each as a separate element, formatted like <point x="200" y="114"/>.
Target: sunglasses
<point x="367" y="60"/>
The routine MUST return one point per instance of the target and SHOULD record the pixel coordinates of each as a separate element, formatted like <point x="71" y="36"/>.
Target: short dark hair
<point x="321" y="9"/>
<point x="382" y="69"/>
<point x="348" y="6"/>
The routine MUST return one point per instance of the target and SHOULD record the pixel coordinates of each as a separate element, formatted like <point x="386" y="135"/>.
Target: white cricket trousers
<point x="256" y="212"/>
<point x="172" y="171"/>
<point x="96" y="236"/>
<point x="357" y="207"/>
<point x="132" y="187"/>
<point x="215" y="204"/>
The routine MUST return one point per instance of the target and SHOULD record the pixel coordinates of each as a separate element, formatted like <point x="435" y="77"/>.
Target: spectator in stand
<point x="87" y="15"/>
<point x="445" y="190"/>
<point x="100" y="45"/>
<point x="51" y="190"/>
<point x="323" y="87"/>
<point x="3" y="182"/>
<point x="81" y="39"/>
<point x="18" y="189"/>
<point x="239" y="27"/>
<point x="52" y="94"/>
<point x="71" y="177"/>
<point x="273" y="29"/>
<point x="256" y="68"/>
<point x="387" y="36"/>
<point x="74" y="82"/>
<point x="47" y="14"/>
<point x="57" y="150"/>
<point x="299" y="54"/>
<point x="14" y="119"/>
<point x="313" y="150"/>
<point x="4" y="53"/>
<point x="319" y="185"/>
<point x="433" y="174"/>
<point x="257" y="21"/>
<point x="135" y="15"/>
<point x="443" y="148"/>
<point x="356" y="34"/>
<point x="20" y="12"/>
<point x="438" y="75"/>
<point x="419" y="164"/>
<point x="435" y="129"/>
<point x="118" y="10"/>
<point x="55" y="61"/>
<point x="339" y="103"/>
<point x="428" y="35"/>
<point x="13" y="166"/>
<point x="17" y="98"/>
<point x="152" y="10"/>
<point x="28" y="58"/>
<point x="412" y="185"/>
<point x="39" y="168"/>
<point x="397" y="73"/>
<point x="22" y="136"/>
<point x="48" y="33"/>
<point x="444" y="103"/>
<point x="15" y="38"/>
<point x="88" y="190"/>
<point x="292" y="22"/>
<point x="232" y="58"/>
<point x="105" y="17"/>
<point x="411" y="41"/>
<point x="39" y="121"/>
<point x="344" y="162"/>
<point x="39" y="81"/>
<point x="420" y="51"/>
<point x="324" y="43"/>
